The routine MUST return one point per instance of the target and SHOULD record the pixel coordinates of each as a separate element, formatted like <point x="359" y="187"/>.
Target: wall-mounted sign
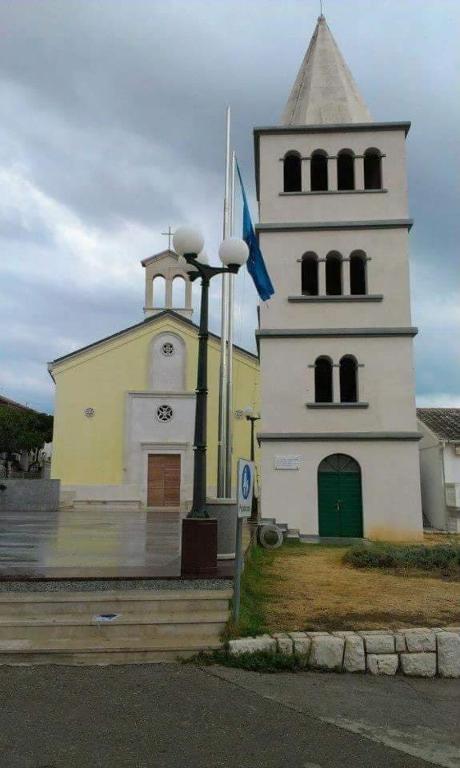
<point x="287" y="462"/>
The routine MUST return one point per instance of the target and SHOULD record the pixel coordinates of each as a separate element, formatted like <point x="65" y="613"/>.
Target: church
<point x="339" y="438"/>
<point x="125" y="405"/>
<point x="338" y="432"/>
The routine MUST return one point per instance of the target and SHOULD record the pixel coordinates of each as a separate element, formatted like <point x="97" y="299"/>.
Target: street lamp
<point x="252" y="418"/>
<point x="199" y="532"/>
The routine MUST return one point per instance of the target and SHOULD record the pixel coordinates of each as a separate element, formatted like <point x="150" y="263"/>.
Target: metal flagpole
<point x="223" y="384"/>
<point x="231" y="292"/>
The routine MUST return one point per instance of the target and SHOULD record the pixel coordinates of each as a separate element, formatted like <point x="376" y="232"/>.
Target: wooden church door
<point x="340" y="508"/>
<point x="163" y="480"/>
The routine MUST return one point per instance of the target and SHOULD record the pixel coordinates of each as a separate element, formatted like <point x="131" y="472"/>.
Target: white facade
<point x="440" y="478"/>
<point x="377" y="428"/>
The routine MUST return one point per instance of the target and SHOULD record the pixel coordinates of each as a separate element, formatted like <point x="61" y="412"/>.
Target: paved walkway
<point x="170" y="716"/>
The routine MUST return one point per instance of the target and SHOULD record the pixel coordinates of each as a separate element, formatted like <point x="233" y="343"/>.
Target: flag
<point x="255" y="264"/>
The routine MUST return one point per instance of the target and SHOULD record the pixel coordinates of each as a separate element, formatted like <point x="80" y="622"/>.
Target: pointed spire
<point x="324" y="91"/>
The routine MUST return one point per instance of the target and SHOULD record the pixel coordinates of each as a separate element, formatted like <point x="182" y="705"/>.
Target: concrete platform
<point x="97" y="543"/>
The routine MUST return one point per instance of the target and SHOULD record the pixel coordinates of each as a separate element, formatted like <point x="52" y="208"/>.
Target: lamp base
<point x="199" y="547"/>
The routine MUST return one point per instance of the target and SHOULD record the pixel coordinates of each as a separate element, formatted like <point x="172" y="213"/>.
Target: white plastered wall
<point x="432" y="478"/>
<point x="390" y="485"/>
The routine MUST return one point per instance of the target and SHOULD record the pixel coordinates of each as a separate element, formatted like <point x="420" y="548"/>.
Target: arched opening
<point x="372" y="169"/>
<point x="292" y="172"/>
<point x="340" y="507"/>
<point x="333" y="274"/>
<point x="348" y="379"/>
<point x="346" y="169"/>
<point x="167" y="363"/>
<point x="358" y="277"/>
<point x="318" y="171"/>
<point x="309" y="274"/>
<point x="159" y="292"/>
<point x="178" y="292"/>
<point x="323" y="380"/>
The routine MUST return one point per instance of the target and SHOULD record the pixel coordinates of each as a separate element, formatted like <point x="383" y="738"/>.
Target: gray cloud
<point x="112" y="127"/>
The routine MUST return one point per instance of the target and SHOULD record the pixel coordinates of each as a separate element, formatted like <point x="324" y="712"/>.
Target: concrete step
<point x="104" y="658"/>
<point x="113" y="637"/>
<point x="34" y="625"/>
<point x="206" y="617"/>
<point x="84" y="612"/>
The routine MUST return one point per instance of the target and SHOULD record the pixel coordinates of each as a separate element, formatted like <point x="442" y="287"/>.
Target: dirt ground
<point x="310" y="588"/>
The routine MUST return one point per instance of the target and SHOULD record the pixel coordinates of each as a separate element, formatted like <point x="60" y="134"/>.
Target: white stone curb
<point x="419" y="652"/>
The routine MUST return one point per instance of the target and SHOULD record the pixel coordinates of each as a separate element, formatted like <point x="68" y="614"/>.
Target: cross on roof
<point x="169" y="235"/>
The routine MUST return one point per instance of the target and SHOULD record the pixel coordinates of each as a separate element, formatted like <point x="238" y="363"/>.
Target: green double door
<point x="340" y="506"/>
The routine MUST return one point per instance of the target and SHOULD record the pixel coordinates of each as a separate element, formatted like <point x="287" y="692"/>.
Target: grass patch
<point x="259" y="661"/>
<point x="443" y="559"/>
<point x="310" y="587"/>
<point x="255" y="595"/>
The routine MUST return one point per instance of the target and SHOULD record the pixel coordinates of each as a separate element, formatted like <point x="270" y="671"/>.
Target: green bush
<point x="442" y="557"/>
<point x="259" y="661"/>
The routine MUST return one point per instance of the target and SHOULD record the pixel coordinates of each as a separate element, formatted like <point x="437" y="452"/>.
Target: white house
<point x="440" y="466"/>
<point x="339" y="439"/>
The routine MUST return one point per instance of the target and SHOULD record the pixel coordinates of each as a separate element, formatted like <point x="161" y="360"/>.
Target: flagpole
<point x="223" y="382"/>
<point x="231" y="293"/>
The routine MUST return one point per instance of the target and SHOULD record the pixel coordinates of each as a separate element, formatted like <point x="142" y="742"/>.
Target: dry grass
<point x="308" y="587"/>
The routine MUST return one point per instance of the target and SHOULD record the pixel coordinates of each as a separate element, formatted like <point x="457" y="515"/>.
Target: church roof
<point x="158" y="256"/>
<point x="324" y="91"/>
<point x="148" y="321"/>
<point x="444" y="422"/>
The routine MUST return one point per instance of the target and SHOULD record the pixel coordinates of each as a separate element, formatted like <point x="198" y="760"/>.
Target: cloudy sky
<point x="112" y="128"/>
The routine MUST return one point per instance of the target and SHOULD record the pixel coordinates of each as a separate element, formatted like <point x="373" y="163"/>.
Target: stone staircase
<point x="119" y="627"/>
<point x="293" y="534"/>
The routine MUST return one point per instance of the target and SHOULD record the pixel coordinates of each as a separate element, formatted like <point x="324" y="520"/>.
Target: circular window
<point x="167" y="349"/>
<point x="164" y="413"/>
<point x="89" y="412"/>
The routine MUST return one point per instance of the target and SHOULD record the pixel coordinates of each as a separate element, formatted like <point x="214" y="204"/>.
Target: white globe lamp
<point x="188" y="240"/>
<point x="233" y="252"/>
<point x="189" y="268"/>
<point x="202" y="258"/>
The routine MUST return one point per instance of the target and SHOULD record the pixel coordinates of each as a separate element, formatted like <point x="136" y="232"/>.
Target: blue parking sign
<point x="245" y="487"/>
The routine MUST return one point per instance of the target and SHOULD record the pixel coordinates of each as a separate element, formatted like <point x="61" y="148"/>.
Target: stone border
<point x="418" y="652"/>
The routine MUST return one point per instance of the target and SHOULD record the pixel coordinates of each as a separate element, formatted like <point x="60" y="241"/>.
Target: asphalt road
<point x="161" y="716"/>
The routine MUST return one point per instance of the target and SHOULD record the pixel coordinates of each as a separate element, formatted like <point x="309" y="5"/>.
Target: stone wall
<point x="419" y="652"/>
<point x="34" y="494"/>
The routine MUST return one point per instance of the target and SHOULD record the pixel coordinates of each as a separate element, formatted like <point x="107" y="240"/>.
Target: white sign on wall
<point x="245" y="487"/>
<point x="287" y="462"/>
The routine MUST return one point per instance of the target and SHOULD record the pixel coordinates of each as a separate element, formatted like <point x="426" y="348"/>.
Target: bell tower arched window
<point x="292" y="172"/>
<point x="372" y="169"/>
<point x="159" y="292"/>
<point x="348" y="379"/>
<point x="345" y="169"/>
<point x="309" y="274"/>
<point x="333" y="274"/>
<point x="358" y="277"/>
<point x="318" y="171"/>
<point x="323" y="380"/>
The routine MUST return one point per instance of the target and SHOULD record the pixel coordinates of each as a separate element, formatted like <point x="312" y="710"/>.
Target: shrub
<point x="443" y="557"/>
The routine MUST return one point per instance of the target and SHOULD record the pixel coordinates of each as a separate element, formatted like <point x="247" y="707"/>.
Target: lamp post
<point x="249" y="413"/>
<point x="199" y="532"/>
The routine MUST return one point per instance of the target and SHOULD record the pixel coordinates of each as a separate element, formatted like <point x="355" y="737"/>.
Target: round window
<point x="164" y="413"/>
<point x="167" y="349"/>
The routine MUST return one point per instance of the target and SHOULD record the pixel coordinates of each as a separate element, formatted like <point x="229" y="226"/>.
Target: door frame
<point x="182" y="449"/>
<point x="360" y="476"/>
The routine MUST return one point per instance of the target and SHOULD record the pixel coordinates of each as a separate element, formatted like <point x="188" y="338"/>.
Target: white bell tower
<point x="166" y="268"/>
<point x="338" y="433"/>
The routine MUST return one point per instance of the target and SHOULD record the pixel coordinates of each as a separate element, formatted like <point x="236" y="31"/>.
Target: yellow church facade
<point x="125" y="405"/>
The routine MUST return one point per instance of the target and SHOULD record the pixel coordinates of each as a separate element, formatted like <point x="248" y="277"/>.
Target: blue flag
<point x="255" y="264"/>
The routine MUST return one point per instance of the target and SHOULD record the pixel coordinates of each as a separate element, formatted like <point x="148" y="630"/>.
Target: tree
<point x="23" y="431"/>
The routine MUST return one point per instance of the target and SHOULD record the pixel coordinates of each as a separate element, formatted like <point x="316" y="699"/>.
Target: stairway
<point x="119" y="627"/>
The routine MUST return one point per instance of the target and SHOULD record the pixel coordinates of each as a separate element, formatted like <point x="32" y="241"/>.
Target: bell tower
<point x="163" y="274"/>
<point x="338" y="434"/>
